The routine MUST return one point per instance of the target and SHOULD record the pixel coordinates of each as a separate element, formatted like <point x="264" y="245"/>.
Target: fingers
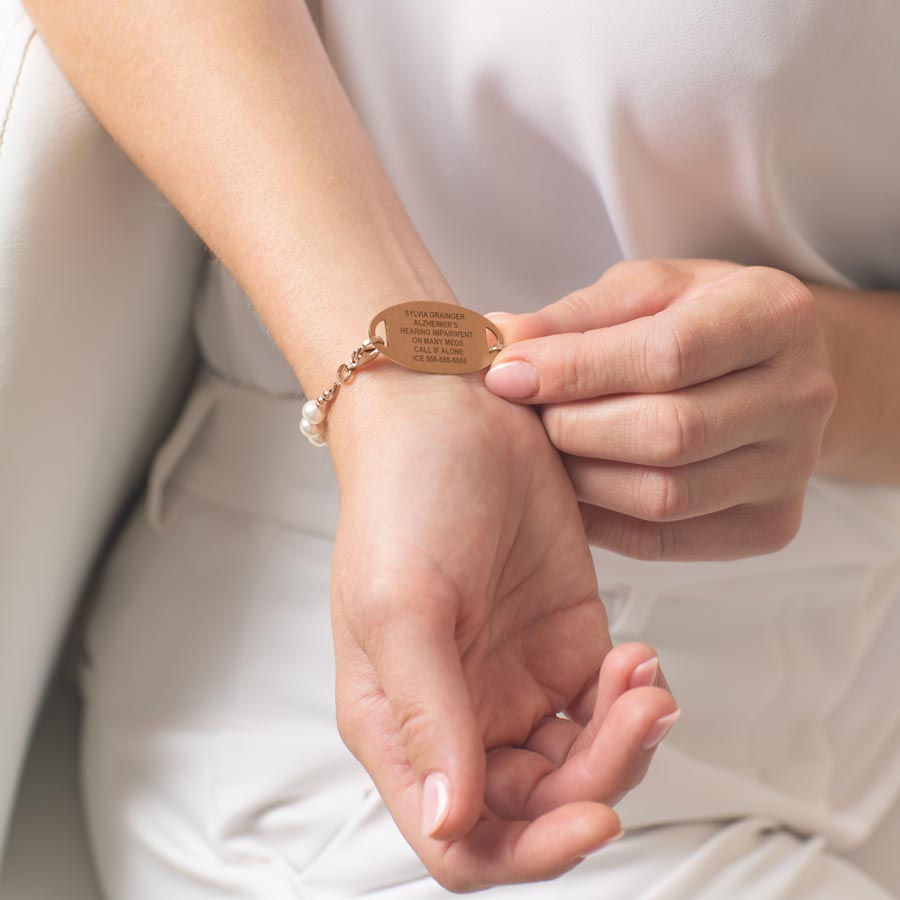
<point x="730" y="534"/>
<point x="627" y="290"/>
<point x="498" y="852"/>
<point x="618" y="757"/>
<point x="417" y="664"/>
<point x="681" y="427"/>
<point x="628" y="665"/>
<point x="735" y="322"/>
<point x="515" y="774"/>
<point x="494" y="851"/>
<point x="751" y="475"/>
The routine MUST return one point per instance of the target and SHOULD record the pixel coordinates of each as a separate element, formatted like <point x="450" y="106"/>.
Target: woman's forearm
<point x="862" y="440"/>
<point x="232" y="108"/>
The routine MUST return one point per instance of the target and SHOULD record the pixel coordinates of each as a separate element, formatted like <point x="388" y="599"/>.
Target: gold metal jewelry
<point x="427" y="336"/>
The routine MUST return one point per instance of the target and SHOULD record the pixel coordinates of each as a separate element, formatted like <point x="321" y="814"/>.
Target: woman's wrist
<point x="315" y="344"/>
<point x="862" y="330"/>
<point x="405" y="341"/>
<point x="384" y="402"/>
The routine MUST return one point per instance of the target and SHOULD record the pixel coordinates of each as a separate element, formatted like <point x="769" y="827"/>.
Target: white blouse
<point x="534" y="144"/>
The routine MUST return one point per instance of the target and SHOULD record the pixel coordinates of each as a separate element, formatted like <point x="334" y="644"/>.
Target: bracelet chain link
<point x="312" y="423"/>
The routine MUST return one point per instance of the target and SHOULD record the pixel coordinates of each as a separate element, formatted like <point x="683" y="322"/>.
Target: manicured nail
<point x="606" y="843"/>
<point x="645" y="674"/>
<point x="659" y="729"/>
<point x="435" y="802"/>
<point x="516" y="380"/>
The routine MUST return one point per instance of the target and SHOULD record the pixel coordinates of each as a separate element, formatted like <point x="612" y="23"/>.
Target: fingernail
<point x="606" y="843"/>
<point x="645" y="674"/>
<point x="497" y="313"/>
<point x="516" y="380"/>
<point x="435" y="802"/>
<point x="659" y="729"/>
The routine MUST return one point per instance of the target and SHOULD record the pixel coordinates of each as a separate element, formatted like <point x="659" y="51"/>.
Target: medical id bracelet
<point x="427" y="336"/>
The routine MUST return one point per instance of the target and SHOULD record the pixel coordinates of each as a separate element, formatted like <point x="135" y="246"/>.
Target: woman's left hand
<point x="689" y="399"/>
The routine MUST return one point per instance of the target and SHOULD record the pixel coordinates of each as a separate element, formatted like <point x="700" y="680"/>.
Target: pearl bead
<point x="312" y="412"/>
<point x="317" y="440"/>
<point x="310" y="429"/>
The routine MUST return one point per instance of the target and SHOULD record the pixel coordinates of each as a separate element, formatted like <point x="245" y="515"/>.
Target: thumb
<point x="625" y="291"/>
<point x="418" y="665"/>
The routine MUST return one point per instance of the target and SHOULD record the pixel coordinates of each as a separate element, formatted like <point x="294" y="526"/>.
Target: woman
<point x="534" y="147"/>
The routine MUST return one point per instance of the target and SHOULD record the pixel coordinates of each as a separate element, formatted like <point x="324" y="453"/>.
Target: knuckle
<point x="670" y="355"/>
<point x="665" y="495"/>
<point x="780" y="526"/>
<point x="578" y="369"/>
<point x="798" y="298"/>
<point x="642" y="274"/>
<point x="795" y="303"/>
<point x="679" y="432"/>
<point x="414" y="724"/>
<point x="657" y="268"/>
<point x="631" y="537"/>
<point x="557" y="421"/>
<point x="620" y="270"/>
<point x="813" y="398"/>
<point x="652" y="270"/>
<point x="646" y="541"/>
<point x="569" y="370"/>
<point x="821" y="396"/>
<point x="581" y="303"/>
<point x="666" y="541"/>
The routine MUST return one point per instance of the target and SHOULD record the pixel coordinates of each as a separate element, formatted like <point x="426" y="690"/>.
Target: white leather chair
<point x="97" y="276"/>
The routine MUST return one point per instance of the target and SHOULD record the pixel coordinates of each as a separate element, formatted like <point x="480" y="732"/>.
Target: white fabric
<point x="97" y="273"/>
<point x="212" y="765"/>
<point x="232" y="338"/>
<point x="534" y="145"/>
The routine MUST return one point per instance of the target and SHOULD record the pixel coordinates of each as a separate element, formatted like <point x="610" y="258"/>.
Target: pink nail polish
<point x="515" y="380"/>
<point x="659" y="729"/>
<point x="645" y="674"/>
<point x="435" y="802"/>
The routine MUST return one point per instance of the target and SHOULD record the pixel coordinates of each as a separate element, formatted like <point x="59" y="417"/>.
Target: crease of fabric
<point x="195" y="414"/>
<point x="18" y="79"/>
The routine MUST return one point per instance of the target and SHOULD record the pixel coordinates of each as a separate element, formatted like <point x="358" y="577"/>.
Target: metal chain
<point x="364" y="353"/>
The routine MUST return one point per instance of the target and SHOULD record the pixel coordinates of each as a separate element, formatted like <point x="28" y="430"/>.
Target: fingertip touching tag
<point x="425" y="335"/>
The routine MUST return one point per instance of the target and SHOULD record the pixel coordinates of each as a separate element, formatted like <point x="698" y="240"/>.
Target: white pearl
<point x="309" y="428"/>
<point x="317" y="440"/>
<point x="312" y="412"/>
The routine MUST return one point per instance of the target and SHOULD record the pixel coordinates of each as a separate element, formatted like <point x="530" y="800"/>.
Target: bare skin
<point x="446" y="616"/>
<point x="694" y="399"/>
<point x="498" y="587"/>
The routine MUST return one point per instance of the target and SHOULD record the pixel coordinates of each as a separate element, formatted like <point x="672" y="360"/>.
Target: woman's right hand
<point x="466" y="617"/>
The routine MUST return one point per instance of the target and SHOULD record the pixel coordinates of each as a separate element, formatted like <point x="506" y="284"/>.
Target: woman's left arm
<point x="693" y="399"/>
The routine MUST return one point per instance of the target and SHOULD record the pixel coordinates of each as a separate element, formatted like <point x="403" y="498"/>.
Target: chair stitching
<point x="9" y="33"/>
<point x="15" y="91"/>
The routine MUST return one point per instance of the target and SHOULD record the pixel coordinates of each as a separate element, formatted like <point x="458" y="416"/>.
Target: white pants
<point x="212" y="766"/>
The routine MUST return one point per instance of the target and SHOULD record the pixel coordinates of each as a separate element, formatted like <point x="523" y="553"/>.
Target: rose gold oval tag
<point x="440" y="338"/>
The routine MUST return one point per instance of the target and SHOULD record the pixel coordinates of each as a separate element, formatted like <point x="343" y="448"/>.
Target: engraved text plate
<point x="440" y="338"/>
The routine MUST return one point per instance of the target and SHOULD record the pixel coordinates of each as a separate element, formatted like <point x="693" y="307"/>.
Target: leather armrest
<point x="97" y="278"/>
